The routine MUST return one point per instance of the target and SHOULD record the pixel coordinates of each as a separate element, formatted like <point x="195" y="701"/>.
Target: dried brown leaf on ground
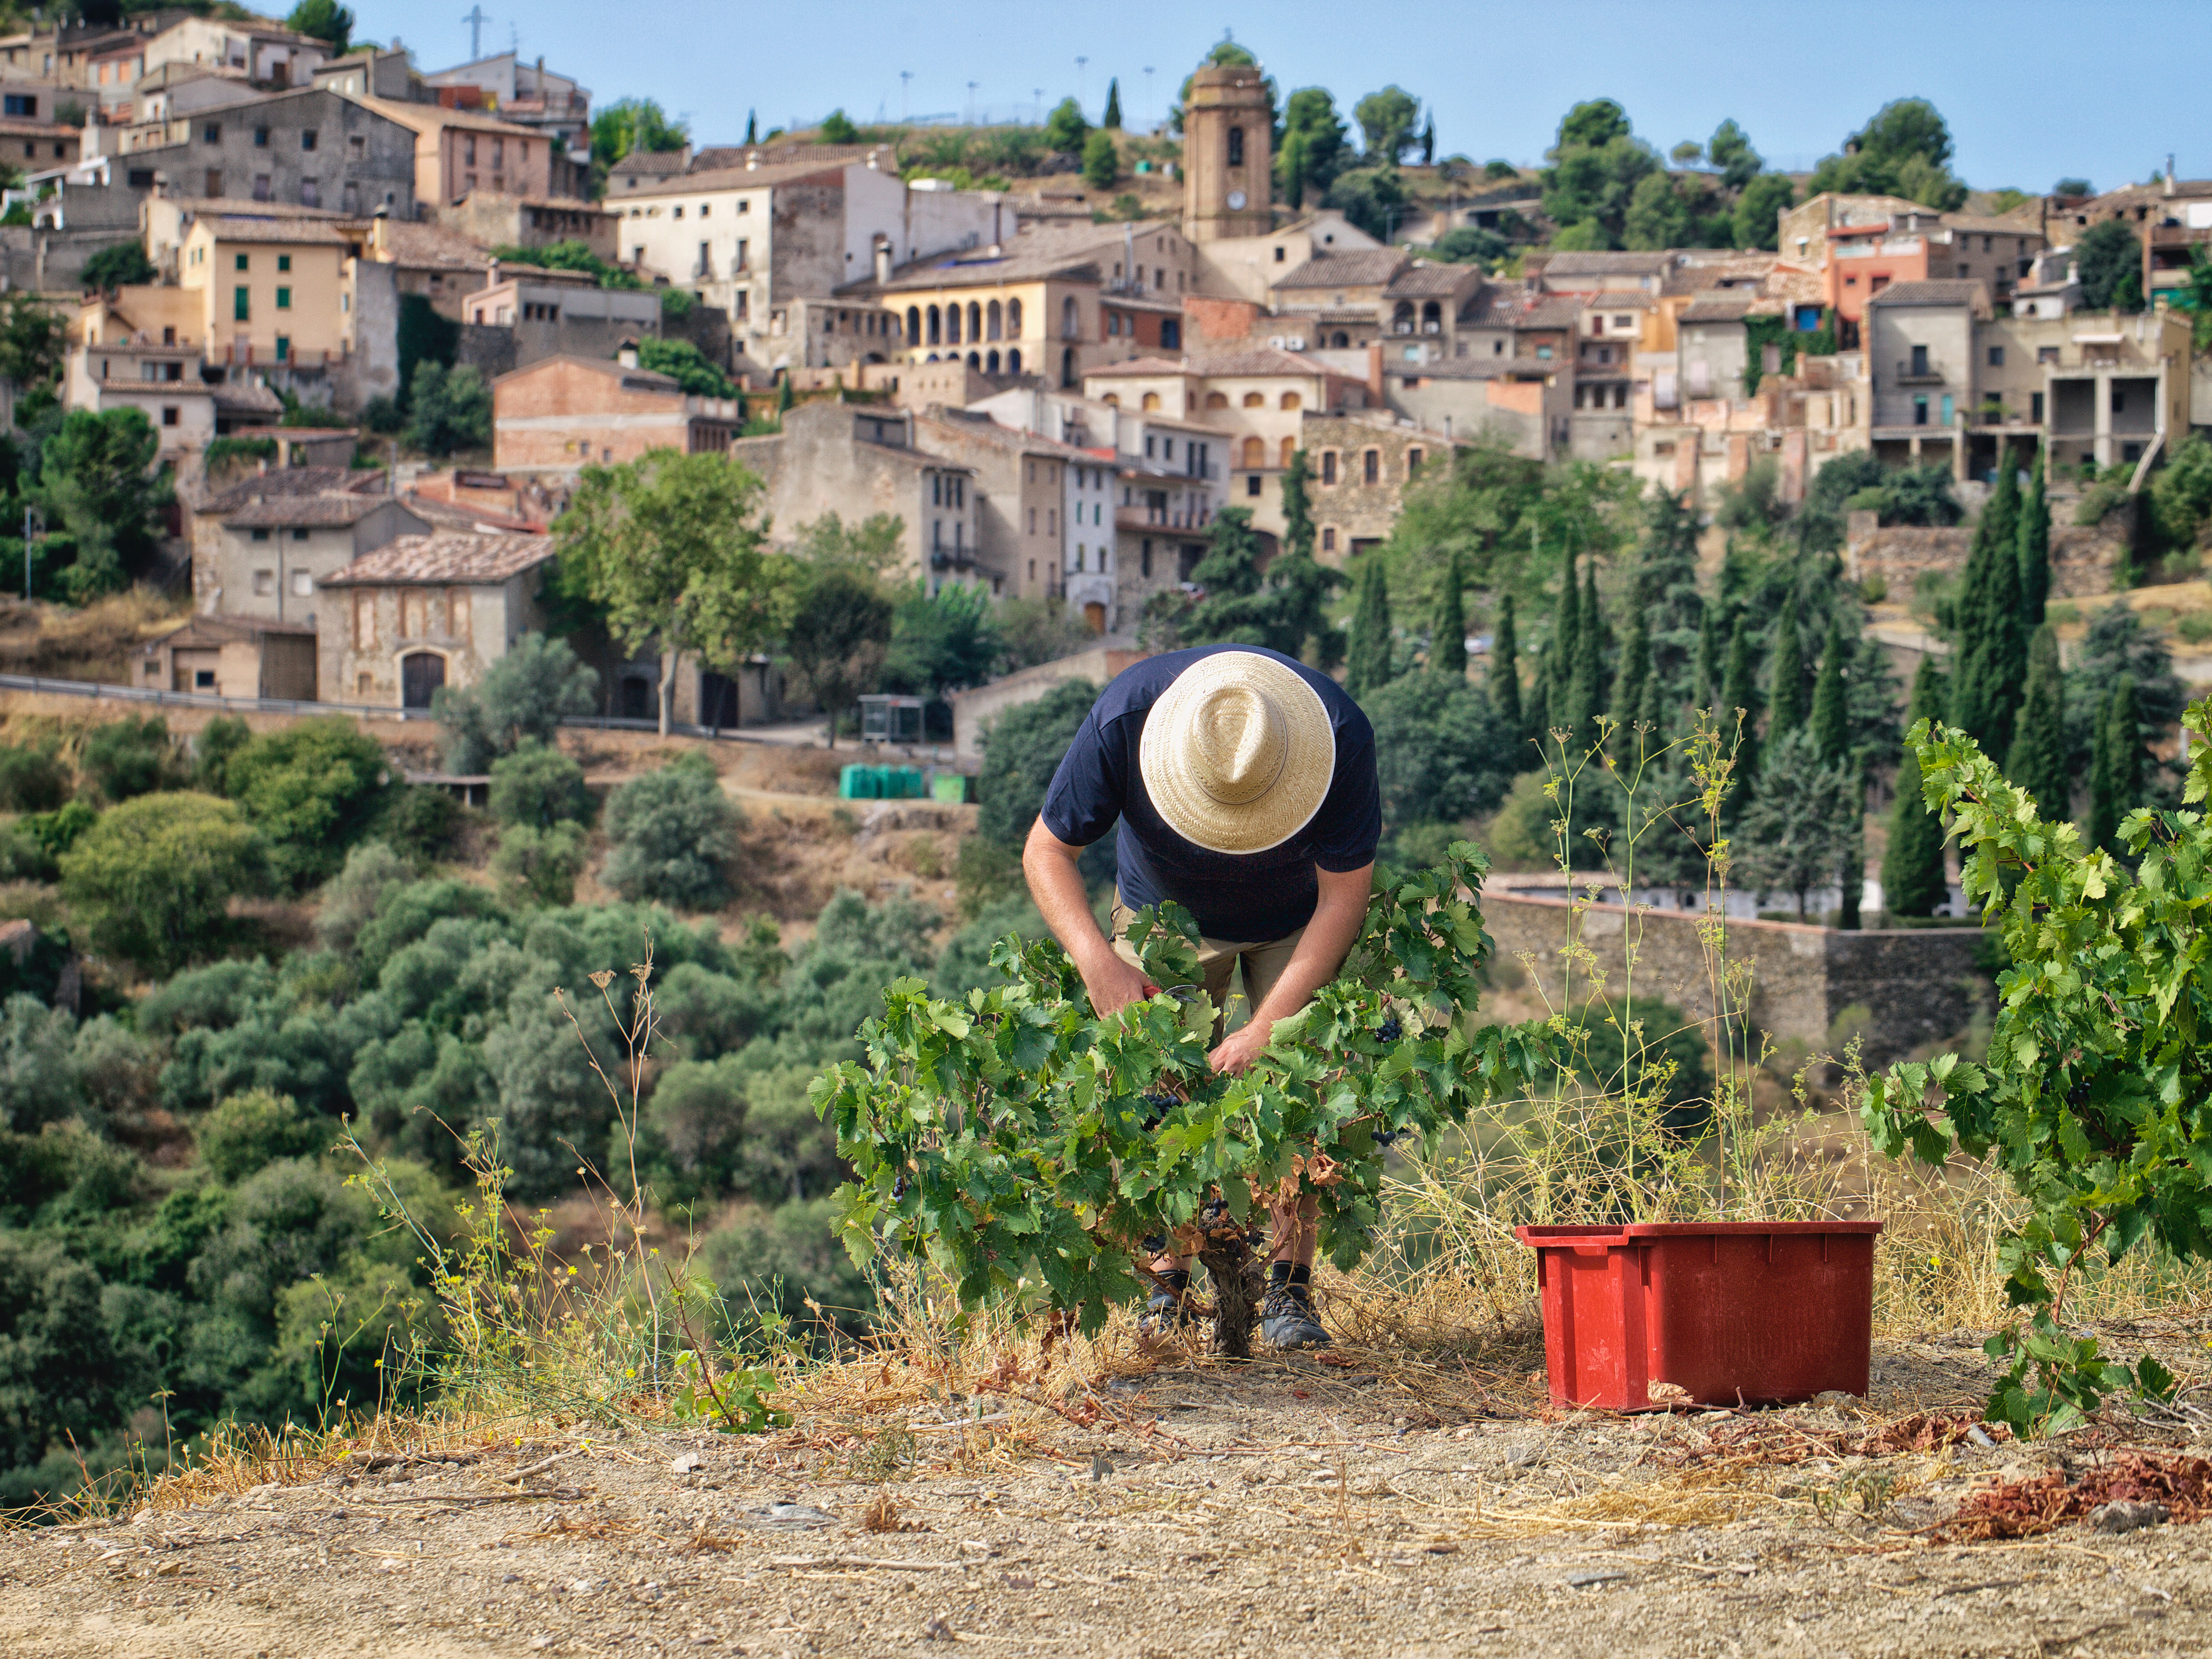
<point x="2023" y="1508"/>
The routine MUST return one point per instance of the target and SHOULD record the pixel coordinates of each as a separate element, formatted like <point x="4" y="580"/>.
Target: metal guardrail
<point x="100" y="690"/>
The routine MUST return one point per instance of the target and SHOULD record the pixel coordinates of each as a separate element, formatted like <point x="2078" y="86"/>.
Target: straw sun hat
<point x="1237" y="753"/>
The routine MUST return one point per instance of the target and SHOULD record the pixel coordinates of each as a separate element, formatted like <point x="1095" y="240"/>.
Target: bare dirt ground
<point x="1315" y="1506"/>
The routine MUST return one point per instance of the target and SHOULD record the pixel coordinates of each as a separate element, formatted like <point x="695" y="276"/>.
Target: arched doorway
<point x="420" y="674"/>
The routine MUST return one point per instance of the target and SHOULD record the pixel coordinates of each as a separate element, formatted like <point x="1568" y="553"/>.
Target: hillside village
<point x="476" y="534"/>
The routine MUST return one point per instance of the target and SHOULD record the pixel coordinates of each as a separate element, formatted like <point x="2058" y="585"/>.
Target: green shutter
<point x="283" y="299"/>
<point x="241" y="303"/>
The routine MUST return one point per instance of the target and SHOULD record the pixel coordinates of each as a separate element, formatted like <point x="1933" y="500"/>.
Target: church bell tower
<point x="1228" y="159"/>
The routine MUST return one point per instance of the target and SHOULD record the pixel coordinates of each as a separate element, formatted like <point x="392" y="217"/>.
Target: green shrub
<point x="523" y="695"/>
<point x="1021" y="751"/>
<point x="31" y="779"/>
<point x="1418" y="845"/>
<point x="220" y="739"/>
<point x="248" y="1132"/>
<point x="539" y="865"/>
<point x="419" y="820"/>
<point x="1442" y="753"/>
<point x="448" y="410"/>
<point x="675" y="836"/>
<point x="539" y="786"/>
<point x="152" y="880"/>
<point x="312" y="790"/>
<point x="128" y="757"/>
<point x="2195" y="626"/>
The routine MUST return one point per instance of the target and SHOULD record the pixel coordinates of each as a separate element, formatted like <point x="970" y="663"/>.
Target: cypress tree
<point x="1787" y="698"/>
<point x="2037" y="762"/>
<point x="1992" y="649"/>
<point x="782" y="395"/>
<point x="1738" y="692"/>
<point x="2116" y="789"/>
<point x="1448" y="634"/>
<point x="1636" y="674"/>
<point x="1568" y="631"/>
<point x="1709" y="658"/>
<point x="1586" y="688"/>
<point x="1914" y="880"/>
<point x="2034" y="549"/>
<point x="1505" y="668"/>
<point x="1832" y="726"/>
<point x="1297" y="511"/>
<point x="1367" y="655"/>
<point x="753" y="128"/>
<point x="1112" y="117"/>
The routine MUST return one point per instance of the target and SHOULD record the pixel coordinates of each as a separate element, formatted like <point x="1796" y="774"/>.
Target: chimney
<point x="2169" y="173"/>
<point x="883" y="262"/>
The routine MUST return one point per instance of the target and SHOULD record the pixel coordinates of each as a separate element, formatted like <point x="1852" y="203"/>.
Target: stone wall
<point x="1921" y="985"/>
<point x="2081" y="556"/>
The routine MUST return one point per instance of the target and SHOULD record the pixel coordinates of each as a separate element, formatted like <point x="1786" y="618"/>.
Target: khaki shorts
<point x="1263" y="964"/>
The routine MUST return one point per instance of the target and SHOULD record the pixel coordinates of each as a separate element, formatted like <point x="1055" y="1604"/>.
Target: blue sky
<point x="2032" y="91"/>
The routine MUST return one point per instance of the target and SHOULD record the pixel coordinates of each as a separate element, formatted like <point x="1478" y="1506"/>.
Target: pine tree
<point x="1505" y="668"/>
<point x="1991" y="647"/>
<point x="1586" y="687"/>
<point x="1112" y="117"/>
<point x="2116" y="789"/>
<point x="1738" y="692"/>
<point x="1448" y="632"/>
<point x="1832" y="725"/>
<point x="2037" y="762"/>
<point x="2034" y="548"/>
<point x="1914" y="880"/>
<point x="1367" y="659"/>
<point x="1786" y="698"/>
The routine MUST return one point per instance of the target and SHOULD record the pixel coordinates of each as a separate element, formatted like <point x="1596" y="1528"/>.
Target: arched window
<point x="914" y="325"/>
<point x="1067" y="362"/>
<point x="1341" y="340"/>
<point x="1401" y="318"/>
<point x="953" y="325"/>
<point x="1432" y="317"/>
<point x="1255" y="454"/>
<point x="1255" y="400"/>
<point x="1289" y="400"/>
<point x="1014" y="361"/>
<point x="1290" y="449"/>
<point x="1217" y="400"/>
<point x="974" y="321"/>
<point x="975" y="359"/>
<point x="1013" y="319"/>
<point x="1112" y="400"/>
<point x="1235" y="147"/>
<point x="1151" y="400"/>
<point x="936" y="327"/>
<point x="991" y="361"/>
<point x="992" y="319"/>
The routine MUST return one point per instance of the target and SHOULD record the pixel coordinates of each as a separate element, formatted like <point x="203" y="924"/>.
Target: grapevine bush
<point x="2096" y="1099"/>
<point x="1028" y="1148"/>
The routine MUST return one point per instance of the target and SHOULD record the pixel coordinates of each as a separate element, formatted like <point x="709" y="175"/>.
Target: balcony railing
<point x="1928" y="372"/>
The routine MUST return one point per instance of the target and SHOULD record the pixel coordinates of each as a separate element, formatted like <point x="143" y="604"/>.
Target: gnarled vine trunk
<point x="1239" y="1282"/>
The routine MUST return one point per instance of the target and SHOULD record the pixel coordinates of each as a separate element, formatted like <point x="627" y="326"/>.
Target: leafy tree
<point x="674" y="547"/>
<point x="870" y="545"/>
<point x="538" y="785"/>
<point x="2035" y="544"/>
<point x="572" y="254"/>
<point x="1368" y="661"/>
<point x="633" y="124"/>
<point x="1633" y="682"/>
<point x="539" y="866"/>
<point x="1802" y="827"/>
<point x="2037" y="761"/>
<point x="2180" y="494"/>
<point x="836" y="129"/>
<point x="119" y="265"/>
<point x="1914" y="880"/>
<point x="96" y="474"/>
<point x="32" y="779"/>
<point x="1101" y="162"/>
<point x="2117" y="771"/>
<point x="1298" y="508"/>
<point x="1905" y="150"/>
<point x="247" y="1133"/>
<point x="1021" y="751"/>
<point x="687" y="364"/>
<point x="326" y="20"/>
<point x="673" y="836"/>
<point x="448" y="410"/>
<point x="1443" y="753"/>
<point x="312" y="790"/>
<point x="1756" y="218"/>
<point x="1729" y="150"/>
<point x="2118" y="645"/>
<point x="1596" y="164"/>
<point x="1657" y="216"/>
<point x="1448" y="633"/>
<point x="1992" y="653"/>
<point x="32" y="343"/>
<point x="1470" y="245"/>
<point x="129" y="757"/>
<point x="1386" y="120"/>
<point x="1112" y="117"/>
<point x="839" y="637"/>
<point x="2106" y="255"/>
<point x="1504" y="682"/>
<point x="1786" y="694"/>
<point x="1313" y="151"/>
<point x="1370" y="197"/>
<point x="1281" y="610"/>
<point x="1064" y="129"/>
<point x="941" y="642"/>
<point x="150" y="881"/>
<point x="521" y="698"/>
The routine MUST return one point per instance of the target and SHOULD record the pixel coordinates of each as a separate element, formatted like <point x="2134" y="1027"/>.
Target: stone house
<point x="440" y="264"/>
<point x="162" y="381"/>
<point x="309" y="149"/>
<point x="563" y="413"/>
<point x="1864" y="246"/>
<point x="1022" y="525"/>
<point x="2170" y="218"/>
<point x="1247" y="268"/>
<point x="858" y="460"/>
<point x="1359" y="467"/>
<point x="32" y="146"/>
<point x="831" y="332"/>
<point x="261" y="547"/>
<point x="423" y="611"/>
<point x="1920" y="357"/>
<point x="526" y="94"/>
<point x="261" y="53"/>
<point x="371" y="72"/>
<point x="460" y="151"/>
<point x="530" y="314"/>
<point x="232" y="656"/>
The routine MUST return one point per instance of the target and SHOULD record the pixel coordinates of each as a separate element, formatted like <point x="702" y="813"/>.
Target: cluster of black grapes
<point x="1158" y="1103"/>
<point x="1389" y="1030"/>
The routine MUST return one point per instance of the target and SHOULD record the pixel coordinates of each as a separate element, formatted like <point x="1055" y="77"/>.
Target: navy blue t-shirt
<point x="1244" y="898"/>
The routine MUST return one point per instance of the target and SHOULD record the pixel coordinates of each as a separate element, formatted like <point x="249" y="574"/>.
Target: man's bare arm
<point x="1057" y="886"/>
<point x="1338" y="916"/>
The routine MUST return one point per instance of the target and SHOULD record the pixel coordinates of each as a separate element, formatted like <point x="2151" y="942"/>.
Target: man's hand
<point x="1057" y="886"/>
<point x="1113" y="984"/>
<point x="1241" y="1047"/>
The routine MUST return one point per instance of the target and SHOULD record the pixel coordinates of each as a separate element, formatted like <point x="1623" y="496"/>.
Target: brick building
<point x="560" y="414"/>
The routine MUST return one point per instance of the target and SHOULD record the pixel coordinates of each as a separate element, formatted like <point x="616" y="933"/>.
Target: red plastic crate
<point x="1749" y="1311"/>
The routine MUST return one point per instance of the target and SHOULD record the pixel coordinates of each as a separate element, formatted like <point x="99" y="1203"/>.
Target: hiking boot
<point x="1168" y="1308"/>
<point x="1286" y="1318"/>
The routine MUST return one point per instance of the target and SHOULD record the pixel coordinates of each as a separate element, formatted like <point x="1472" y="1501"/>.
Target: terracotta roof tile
<point x="445" y="559"/>
<point x="1948" y="291"/>
<point x="287" y="481"/>
<point x="1417" y="280"/>
<point x="1370" y="267"/>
